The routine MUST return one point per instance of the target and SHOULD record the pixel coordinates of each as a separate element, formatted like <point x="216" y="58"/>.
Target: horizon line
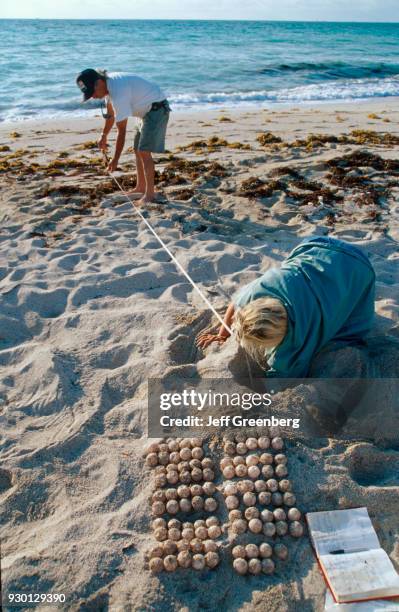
<point x="193" y="19"/>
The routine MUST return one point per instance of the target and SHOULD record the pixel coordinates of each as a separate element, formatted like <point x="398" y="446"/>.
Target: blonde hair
<point x="260" y="326"/>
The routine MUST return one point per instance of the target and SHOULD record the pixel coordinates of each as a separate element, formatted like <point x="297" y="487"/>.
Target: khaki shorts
<point x="150" y="134"/>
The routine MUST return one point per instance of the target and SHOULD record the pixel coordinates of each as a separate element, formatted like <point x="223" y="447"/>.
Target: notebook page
<point x="361" y="575"/>
<point x="348" y="530"/>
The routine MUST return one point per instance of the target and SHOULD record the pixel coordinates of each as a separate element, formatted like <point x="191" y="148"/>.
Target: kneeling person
<point x="323" y="291"/>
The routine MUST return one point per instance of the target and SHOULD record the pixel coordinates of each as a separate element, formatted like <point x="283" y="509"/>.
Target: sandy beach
<point x="92" y="307"/>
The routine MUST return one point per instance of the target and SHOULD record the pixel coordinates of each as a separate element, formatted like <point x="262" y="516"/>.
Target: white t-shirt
<point x="131" y="95"/>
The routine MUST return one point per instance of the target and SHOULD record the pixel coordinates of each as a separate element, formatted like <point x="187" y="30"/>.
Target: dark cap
<point x="86" y="81"/>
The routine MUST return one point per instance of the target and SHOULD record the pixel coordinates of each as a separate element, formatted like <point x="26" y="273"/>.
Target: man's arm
<point x="102" y="143"/>
<point x="120" y="142"/>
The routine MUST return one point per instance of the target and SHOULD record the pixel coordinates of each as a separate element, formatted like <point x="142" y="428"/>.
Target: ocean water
<point x="200" y="64"/>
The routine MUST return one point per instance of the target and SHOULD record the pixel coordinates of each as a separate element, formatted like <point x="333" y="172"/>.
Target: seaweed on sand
<point x="339" y="177"/>
<point x="69" y="164"/>
<point x="372" y="196"/>
<point x="170" y="177"/>
<point x="254" y="187"/>
<point x="187" y="168"/>
<point x="217" y="170"/>
<point x="286" y="171"/>
<point x="323" y="195"/>
<point x="166" y="158"/>
<point x="268" y="138"/>
<point x="372" y="137"/>
<point x="90" y="193"/>
<point x="212" y="144"/>
<point x="364" y="158"/>
<point x="182" y="194"/>
<point x="239" y="145"/>
<point x="356" y="137"/>
<point x="304" y="185"/>
<point x="313" y="140"/>
<point x="15" y="155"/>
<point x="14" y="162"/>
<point x="88" y="145"/>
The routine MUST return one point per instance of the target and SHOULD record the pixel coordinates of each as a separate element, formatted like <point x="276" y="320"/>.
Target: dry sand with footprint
<point x="91" y="307"/>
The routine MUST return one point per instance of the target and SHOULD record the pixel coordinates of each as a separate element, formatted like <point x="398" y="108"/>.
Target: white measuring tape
<point x="173" y="258"/>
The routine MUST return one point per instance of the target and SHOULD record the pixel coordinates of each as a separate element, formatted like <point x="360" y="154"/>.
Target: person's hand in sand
<point x="129" y="95"/>
<point x="206" y="337"/>
<point x="323" y="292"/>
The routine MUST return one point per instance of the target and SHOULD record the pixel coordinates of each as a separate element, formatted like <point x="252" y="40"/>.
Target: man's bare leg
<point x="149" y="173"/>
<point x="139" y="190"/>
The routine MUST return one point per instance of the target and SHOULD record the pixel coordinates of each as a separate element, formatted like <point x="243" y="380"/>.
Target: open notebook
<point x="355" y="566"/>
<point x="375" y="605"/>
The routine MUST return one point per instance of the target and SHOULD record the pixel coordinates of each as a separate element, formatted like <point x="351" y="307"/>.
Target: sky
<point x="294" y="10"/>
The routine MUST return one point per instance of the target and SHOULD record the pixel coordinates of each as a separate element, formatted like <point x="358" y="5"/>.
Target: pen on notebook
<point x="341" y="551"/>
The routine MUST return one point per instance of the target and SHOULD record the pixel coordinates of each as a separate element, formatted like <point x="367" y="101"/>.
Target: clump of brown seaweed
<point x="88" y="145"/>
<point x="14" y="164"/>
<point x="213" y="143"/>
<point x="254" y="187"/>
<point x="298" y="189"/>
<point x="182" y="194"/>
<point x="323" y="195"/>
<point x="268" y="138"/>
<point x="191" y="169"/>
<point x="286" y="171"/>
<point x="312" y="141"/>
<point x="366" y="159"/>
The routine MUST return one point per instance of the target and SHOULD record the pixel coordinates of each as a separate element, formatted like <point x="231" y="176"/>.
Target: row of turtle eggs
<point x="184" y="492"/>
<point x="264" y="498"/>
<point x="263" y="550"/>
<point x="175" y="457"/>
<point x="242" y="435"/>
<point x="185" y="559"/>
<point x="175" y="530"/>
<point x="266" y="516"/>
<point x="254" y="465"/>
<point x="255" y="559"/>
<point x="185" y="474"/>
<point x="254" y="459"/>
<point x="173" y="445"/>
<point x="254" y="472"/>
<point x="263" y="443"/>
<point x="269" y="529"/>
<point x="258" y="486"/>
<point x="173" y="506"/>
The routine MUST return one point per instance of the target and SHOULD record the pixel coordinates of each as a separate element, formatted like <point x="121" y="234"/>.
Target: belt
<point x="158" y="105"/>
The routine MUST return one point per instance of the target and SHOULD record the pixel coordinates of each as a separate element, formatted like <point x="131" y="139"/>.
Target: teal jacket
<point x="327" y="288"/>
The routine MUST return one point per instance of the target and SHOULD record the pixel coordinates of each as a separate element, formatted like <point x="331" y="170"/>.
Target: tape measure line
<point x="173" y="258"/>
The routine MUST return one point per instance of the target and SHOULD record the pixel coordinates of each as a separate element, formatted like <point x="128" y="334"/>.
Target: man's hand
<point x="204" y="339"/>
<point x="113" y="165"/>
<point x="102" y="143"/>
